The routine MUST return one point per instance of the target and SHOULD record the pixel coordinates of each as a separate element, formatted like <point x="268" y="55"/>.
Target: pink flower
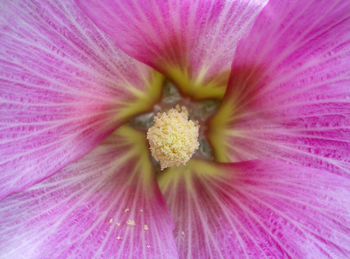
<point x="79" y="82"/>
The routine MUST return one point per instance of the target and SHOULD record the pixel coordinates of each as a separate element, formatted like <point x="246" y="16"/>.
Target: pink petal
<point x="106" y="205"/>
<point x="289" y="88"/>
<point x="258" y="209"/>
<point x="192" y="42"/>
<point x="62" y="89"/>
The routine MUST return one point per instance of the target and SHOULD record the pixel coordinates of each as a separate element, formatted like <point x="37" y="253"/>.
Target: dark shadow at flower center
<point x="200" y="111"/>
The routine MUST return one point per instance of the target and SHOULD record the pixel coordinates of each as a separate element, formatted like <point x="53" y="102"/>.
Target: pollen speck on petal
<point x="131" y="223"/>
<point x="70" y="214"/>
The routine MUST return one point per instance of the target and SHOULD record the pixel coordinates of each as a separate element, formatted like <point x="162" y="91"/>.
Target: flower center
<point x="173" y="138"/>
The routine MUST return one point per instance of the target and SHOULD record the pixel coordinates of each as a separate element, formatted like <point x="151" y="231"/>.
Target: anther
<point x="173" y="138"/>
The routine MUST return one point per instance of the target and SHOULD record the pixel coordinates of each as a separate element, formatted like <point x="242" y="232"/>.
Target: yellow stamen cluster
<point x="173" y="138"/>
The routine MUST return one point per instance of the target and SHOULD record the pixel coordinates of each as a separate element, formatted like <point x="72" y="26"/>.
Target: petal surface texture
<point x="191" y="42"/>
<point x="289" y="94"/>
<point x="258" y="209"/>
<point x="106" y="205"/>
<point x="63" y="88"/>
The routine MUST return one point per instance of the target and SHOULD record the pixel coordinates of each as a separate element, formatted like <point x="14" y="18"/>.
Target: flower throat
<point x="176" y="128"/>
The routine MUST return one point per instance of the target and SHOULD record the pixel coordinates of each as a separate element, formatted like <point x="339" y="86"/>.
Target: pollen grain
<point x="173" y="138"/>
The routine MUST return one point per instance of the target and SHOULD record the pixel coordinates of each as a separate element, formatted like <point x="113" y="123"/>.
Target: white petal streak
<point x="191" y="42"/>
<point x="63" y="86"/>
<point x="97" y="207"/>
<point x="258" y="209"/>
<point x="289" y="87"/>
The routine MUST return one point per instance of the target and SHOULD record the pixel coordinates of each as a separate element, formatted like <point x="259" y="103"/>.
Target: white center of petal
<point x="173" y="138"/>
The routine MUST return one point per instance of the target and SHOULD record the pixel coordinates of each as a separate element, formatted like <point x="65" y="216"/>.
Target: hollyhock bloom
<point x="265" y="91"/>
